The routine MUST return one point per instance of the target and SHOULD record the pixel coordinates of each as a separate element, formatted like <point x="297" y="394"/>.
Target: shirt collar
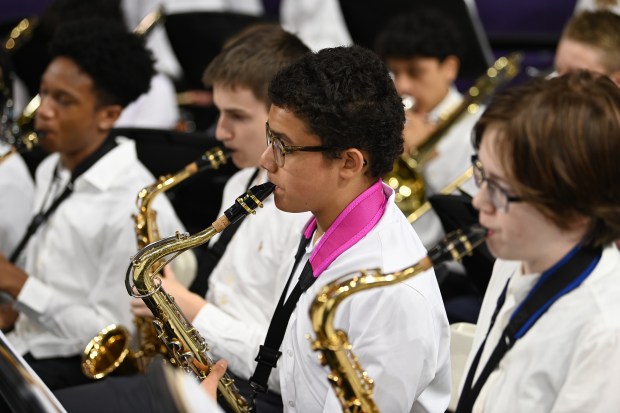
<point x="447" y="105"/>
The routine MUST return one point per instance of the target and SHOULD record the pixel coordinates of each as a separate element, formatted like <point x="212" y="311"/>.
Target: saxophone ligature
<point x="352" y="385"/>
<point x="406" y="177"/>
<point x="110" y="350"/>
<point x="184" y="344"/>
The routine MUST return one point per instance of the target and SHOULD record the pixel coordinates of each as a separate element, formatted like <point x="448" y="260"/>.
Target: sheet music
<point x="19" y="371"/>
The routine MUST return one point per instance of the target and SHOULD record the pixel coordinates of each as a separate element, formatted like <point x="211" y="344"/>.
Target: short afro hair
<point x="425" y="33"/>
<point x="345" y="96"/>
<point x="117" y="61"/>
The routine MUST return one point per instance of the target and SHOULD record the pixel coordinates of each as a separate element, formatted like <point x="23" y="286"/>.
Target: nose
<point x="222" y="131"/>
<point x="267" y="161"/>
<point x="404" y="86"/>
<point x="45" y="109"/>
<point x="482" y="200"/>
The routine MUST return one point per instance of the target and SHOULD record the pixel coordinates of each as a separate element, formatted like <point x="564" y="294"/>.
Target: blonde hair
<point x="599" y="29"/>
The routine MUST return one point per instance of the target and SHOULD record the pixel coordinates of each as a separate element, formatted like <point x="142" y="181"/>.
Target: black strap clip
<point x="268" y="356"/>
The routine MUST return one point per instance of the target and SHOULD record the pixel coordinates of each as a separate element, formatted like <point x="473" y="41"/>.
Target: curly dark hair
<point x="117" y="60"/>
<point x="345" y="96"/>
<point x="425" y="33"/>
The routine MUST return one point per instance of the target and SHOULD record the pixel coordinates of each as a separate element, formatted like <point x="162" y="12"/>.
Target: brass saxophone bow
<point x="351" y="383"/>
<point x="185" y="345"/>
<point x="110" y="349"/>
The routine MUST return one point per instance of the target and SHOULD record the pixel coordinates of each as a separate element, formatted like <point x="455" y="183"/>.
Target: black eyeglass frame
<point x="278" y="146"/>
<point x="493" y="187"/>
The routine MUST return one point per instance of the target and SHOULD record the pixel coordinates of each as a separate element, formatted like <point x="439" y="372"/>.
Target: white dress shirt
<point x="454" y="152"/>
<point x="17" y="191"/>
<point x="245" y="286"/>
<point x="155" y="109"/>
<point x="78" y="259"/>
<point x="399" y="333"/>
<point x="567" y="362"/>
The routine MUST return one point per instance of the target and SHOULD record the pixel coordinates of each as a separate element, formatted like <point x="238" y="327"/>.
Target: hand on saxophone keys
<point x="217" y="371"/>
<point x="189" y="302"/>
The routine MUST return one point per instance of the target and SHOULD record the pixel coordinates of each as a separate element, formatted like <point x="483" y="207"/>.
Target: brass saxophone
<point x="110" y="349"/>
<point x="351" y="383"/>
<point x="406" y="177"/>
<point x="184" y="344"/>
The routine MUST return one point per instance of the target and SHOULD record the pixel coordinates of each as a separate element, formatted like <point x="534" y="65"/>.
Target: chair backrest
<point x="462" y="337"/>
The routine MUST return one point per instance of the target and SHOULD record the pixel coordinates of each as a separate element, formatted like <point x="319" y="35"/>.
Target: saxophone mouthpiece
<point x="246" y="204"/>
<point x="458" y="244"/>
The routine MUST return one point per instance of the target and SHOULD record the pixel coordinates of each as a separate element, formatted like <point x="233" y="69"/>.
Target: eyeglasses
<point x="499" y="196"/>
<point x="280" y="149"/>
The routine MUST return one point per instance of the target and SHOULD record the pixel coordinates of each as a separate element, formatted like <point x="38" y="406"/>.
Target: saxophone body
<point x="110" y="350"/>
<point x="406" y="177"/>
<point x="184" y="344"/>
<point x="353" y="387"/>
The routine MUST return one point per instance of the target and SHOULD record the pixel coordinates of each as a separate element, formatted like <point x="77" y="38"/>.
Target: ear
<point x="107" y="116"/>
<point x="450" y="67"/>
<point x="353" y="163"/>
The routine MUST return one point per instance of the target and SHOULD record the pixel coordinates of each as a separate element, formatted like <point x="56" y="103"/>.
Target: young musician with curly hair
<point x="548" y="331"/>
<point x="334" y="129"/>
<point x="82" y="234"/>
<point x="244" y="284"/>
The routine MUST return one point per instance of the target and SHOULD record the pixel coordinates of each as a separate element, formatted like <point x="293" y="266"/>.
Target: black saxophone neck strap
<point x="215" y="252"/>
<point x="42" y="216"/>
<point x="269" y="353"/>
<point x="554" y="283"/>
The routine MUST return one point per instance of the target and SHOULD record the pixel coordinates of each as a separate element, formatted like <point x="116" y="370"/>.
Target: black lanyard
<point x="269" y="352"/>
<point x="42" y="215"/>
<point x="554" y="283"/>
<point x="214" y="253"/>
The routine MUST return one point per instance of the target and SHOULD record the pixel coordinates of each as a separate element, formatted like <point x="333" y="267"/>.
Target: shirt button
<point x="291" y="403"/>
<point x="289" y="352"/>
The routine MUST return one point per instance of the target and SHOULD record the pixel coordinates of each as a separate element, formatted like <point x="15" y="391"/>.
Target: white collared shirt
<point x="567" y="361"/>
<point x="78" y="259"/>
<point x="399" y="333"/>
<point x="17" y="189"/>
<point x="245" y="286"/>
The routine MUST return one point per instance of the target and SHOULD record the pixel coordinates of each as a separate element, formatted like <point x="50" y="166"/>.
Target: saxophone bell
<point x="110" y="350"/>
<point x="352" y="385"/>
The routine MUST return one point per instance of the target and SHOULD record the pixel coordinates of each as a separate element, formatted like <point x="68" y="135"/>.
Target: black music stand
<point x="365" y="20"/>
<point x="22" y="390"/>
<point x="196" y="38"/>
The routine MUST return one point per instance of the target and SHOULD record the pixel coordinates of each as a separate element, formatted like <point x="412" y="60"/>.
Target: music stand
<point x="20" y="386"/>
<point x="365" y="20"/>
<point x="196" y="38"/>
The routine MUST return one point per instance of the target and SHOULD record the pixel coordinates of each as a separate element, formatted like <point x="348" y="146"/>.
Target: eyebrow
<point x="282" y="136"/>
